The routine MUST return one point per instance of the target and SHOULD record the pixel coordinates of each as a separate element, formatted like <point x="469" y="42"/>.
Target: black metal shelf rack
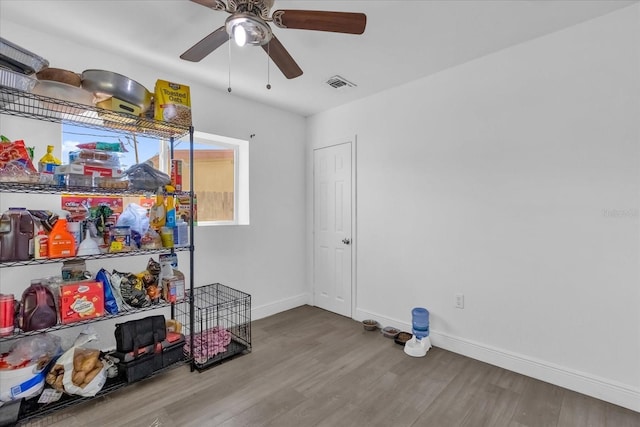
<point x="21" y="334"/>
<point x="27" y="187"/>
<point x="4" y="264"/>
<point x="31" y="409"/>
<point x="31" y="106"/>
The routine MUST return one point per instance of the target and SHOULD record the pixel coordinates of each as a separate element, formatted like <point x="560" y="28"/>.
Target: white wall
<point x="512" y="179"/>
<point x="265" y="258"/>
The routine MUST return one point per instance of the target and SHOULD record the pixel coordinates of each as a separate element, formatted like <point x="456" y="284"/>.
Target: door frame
<point x="353" y="141"/>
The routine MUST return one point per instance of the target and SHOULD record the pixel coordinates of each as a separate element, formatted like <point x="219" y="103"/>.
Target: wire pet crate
<point x="221" y="324"/>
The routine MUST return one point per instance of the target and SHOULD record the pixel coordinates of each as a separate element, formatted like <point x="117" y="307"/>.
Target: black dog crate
<point x="221" y="324"/>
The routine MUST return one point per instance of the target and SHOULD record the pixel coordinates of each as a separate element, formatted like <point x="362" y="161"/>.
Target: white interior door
<point x="332" y="229"/>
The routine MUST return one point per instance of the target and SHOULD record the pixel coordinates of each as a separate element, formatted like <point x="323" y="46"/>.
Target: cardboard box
<point x="183" y="211"/>
<point x="172" y="103"/>
<point x="81" y="169"/>
<point x="176" y="174"/>
<point x="81" y="301"/>
<point x="173" y="288"/>
<point x="119" y="106"/>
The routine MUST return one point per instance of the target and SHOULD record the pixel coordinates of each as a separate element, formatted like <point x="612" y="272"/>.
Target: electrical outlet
<point x="459" y="300"/>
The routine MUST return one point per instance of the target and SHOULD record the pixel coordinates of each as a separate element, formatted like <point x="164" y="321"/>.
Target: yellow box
<point x="119" y="106"/>
<point x="172" y="103"/>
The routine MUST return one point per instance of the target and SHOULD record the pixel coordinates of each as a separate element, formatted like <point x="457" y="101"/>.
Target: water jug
<point x="420" y="322"/>
<point x="16" y="235"/>
<point x="37" y="308"/>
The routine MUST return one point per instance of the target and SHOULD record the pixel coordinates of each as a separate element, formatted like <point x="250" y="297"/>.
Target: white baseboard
<point x="591" y="385"/>
<point x="276" y="307"/>
<point x="581" y="382"/>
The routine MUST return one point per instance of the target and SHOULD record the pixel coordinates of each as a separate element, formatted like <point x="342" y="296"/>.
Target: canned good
<point x="120" y="238"/>
<point x="7" y="314"/>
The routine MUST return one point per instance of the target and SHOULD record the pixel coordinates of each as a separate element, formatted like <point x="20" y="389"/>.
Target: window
<point x="221" y="168"/>
<point x="220" y="177"/>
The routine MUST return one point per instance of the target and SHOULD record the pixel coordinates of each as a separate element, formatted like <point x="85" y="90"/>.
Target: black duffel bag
<point x="135" y="334"/>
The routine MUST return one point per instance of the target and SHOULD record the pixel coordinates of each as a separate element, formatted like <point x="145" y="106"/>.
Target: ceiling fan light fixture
<point x="240" y="35"/>
<point x="249" y="29"/>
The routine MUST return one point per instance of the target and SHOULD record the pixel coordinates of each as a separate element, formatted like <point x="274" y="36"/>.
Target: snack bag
<point x="16" y="153"/>
<point x="172" y="103"/>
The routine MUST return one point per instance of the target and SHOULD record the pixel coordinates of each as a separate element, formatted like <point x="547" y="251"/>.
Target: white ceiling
<point x="403" y="41"/>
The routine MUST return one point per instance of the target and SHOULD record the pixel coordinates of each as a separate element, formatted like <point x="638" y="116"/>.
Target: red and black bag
<point x="140" y="333"/>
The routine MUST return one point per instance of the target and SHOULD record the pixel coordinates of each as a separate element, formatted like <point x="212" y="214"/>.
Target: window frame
<point x="240" y="149"/>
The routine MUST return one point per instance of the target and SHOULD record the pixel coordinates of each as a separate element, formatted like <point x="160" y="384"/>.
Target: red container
<point x="7" y="311"/>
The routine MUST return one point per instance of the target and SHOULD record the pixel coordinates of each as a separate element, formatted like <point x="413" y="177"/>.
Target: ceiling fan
<point x="248" y="25"/>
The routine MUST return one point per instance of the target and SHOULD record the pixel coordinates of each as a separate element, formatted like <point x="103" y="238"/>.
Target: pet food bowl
<point x="370" y="325"/>
<point x="402" y="338"/>
<point x="390" y="332"/>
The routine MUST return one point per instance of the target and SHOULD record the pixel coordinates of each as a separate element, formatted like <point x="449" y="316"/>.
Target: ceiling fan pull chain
<point x="229" y="88"/>
<point x="268" y="65"/>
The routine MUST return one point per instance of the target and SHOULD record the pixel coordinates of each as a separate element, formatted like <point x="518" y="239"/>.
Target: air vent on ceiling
<point x="338" y="82"/>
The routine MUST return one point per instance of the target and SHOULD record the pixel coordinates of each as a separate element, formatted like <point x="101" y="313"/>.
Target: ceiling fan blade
<point x="282" y="59"/>
<point x="212" y="4"/>
<point x="207" y="45"/>
<point x="337" y="22"/>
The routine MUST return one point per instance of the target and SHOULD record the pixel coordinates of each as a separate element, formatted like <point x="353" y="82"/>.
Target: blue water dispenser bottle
<point x="419" y="343"/>
<point x="420" y="322"/>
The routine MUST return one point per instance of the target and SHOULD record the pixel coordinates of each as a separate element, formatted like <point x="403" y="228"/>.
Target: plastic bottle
<point x="47" y="166"/>
<point x="181" y="234"/>
<point x="61" y="242"/>
<point x="74" y="228"/>
<point x="420" y="322"/>
<point x="157" y="216"/>
<point x="171" y="209"/>
<point x="48" y="162"/>
<point x="38" y="308"/>
<point x="16" y="235"/>
<point x="41" y="244"/>
<point x="166" y="235"/>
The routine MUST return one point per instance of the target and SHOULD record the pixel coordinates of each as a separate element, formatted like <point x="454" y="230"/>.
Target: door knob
<point x="346" y="241"/>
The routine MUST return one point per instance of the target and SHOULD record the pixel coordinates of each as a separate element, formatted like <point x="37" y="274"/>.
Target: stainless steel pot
<point x="108" y="83"/>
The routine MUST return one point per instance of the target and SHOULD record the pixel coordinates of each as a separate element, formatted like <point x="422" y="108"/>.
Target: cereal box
<point x="172" y="103"/>
<point x="176" y="174"/>
<point x="81" y="301"/>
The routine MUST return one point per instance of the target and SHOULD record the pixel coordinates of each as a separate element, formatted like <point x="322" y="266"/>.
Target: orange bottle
<point x="61" y="242"/>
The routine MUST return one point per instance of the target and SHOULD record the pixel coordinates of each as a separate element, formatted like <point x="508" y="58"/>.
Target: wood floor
<point x="310" y="367"/>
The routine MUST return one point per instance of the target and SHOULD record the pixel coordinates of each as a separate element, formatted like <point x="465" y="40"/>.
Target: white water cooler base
<point x="417" y="347"/>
